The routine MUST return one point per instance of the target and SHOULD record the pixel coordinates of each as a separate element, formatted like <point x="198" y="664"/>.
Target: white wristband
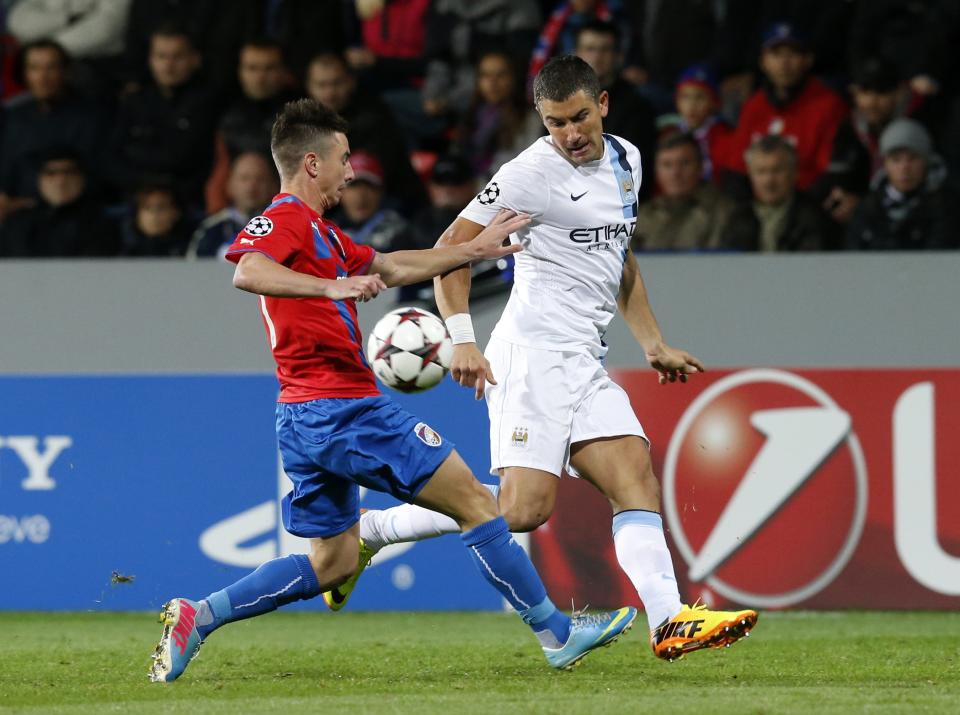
<point x="460" y="327"/>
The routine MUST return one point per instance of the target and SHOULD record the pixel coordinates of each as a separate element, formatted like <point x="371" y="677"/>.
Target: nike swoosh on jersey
<point x="577" y="198"/>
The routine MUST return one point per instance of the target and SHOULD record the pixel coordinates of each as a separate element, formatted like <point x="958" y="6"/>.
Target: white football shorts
<point x="546" y="400"/>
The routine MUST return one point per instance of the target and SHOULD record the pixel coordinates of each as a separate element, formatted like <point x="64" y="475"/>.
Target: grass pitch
<point x="800" y="662"/>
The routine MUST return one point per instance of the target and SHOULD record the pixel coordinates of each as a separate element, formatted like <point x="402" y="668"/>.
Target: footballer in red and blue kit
<point x="334" y="428"/>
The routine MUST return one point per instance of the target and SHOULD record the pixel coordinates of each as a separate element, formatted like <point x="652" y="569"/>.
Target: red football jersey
<point x="316" y="342"/>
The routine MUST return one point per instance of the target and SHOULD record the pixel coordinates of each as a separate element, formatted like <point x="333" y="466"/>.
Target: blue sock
<point x="507" y="568"/>
<point x="274" y="584"/>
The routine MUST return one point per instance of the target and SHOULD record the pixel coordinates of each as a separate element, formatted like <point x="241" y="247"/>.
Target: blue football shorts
<point x="331" y="447"/>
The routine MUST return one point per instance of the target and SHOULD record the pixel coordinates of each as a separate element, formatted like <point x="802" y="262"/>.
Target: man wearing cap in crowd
<point x="362" y="213"/>
<point x="911" y="205"/>
<point x="790" y="103"/>
<point x="698" y="111"/>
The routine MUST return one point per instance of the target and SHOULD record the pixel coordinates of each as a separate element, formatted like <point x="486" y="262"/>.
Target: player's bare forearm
<point x="672" y="364"/>
<point x="255" y="273"/>
<point x="400" y="268"/>
<point x="635" y="307"/>
<point x="452" y="289"/>
<point x="405" y="267"/>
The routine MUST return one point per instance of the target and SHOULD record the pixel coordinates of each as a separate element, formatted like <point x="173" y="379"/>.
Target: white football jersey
<point x="567" y="278"/>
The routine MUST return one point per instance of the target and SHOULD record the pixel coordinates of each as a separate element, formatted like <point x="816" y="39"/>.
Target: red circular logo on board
<point x="765" y="488"/>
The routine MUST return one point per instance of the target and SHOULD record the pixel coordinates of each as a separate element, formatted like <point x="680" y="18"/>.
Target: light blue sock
<point x="274" y="584"/>
<point x="508" y="569"/>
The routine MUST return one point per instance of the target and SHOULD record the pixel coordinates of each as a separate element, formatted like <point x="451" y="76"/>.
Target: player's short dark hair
<point x="303" y="125"/>
<point x="564" y="76"/>
<point x="678" y="139"/>
<point x="599" y="27"/>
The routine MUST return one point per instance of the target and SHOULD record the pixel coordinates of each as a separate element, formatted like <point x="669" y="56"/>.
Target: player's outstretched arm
<point x="405" y="267"/>
<point x="255" y="273"/>
<point x="671" y="363"/>
<point x="468" y="367"/>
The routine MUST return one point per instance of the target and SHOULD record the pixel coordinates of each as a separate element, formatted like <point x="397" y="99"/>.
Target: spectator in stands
<point x="912" y="36"/>
<point x="559" y="34"/>
<point x="452" y="186"/>
<point x="49" y="115"/>
<point x="218" y="28"/>
<point x="698" y="104"/>
<point x="665" y="38"/>
<point x="459" y="32"/>
<point x="245" y="126"/>
<point x="689" y="214"/>
<point x="879" y="97"/>
<point x="361" y="212"/>
<point x="629" y="116"/>
<point x="166" y="128"/>
<point x="158" y="226"/>
<point x="500" y="122"/>
<point x="778" y="218"/>
<point x="825" y="24"/>
<point x="386" y="42"/>
<point x="372" y="127"/>
<point x="91" y="32"/>
<point x="65" y="221"/>
<point x="294" y="24"/>
<point x="251" y="184"/>
<point x="910" y="206"/>
<point x="791" y="103"/>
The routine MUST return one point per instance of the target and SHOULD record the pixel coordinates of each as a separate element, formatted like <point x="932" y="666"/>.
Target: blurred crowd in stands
<point x="141" y="127"/>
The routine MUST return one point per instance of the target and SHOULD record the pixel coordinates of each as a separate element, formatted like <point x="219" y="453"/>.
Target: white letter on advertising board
<point x="915" y="493"/>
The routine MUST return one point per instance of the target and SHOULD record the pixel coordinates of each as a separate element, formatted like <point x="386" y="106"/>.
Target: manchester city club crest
<point x="520" y="436"/>
<point x="259" y="226"/>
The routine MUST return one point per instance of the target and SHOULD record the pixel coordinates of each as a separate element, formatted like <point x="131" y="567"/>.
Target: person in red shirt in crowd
<point x="792" y="104"/>
<point x="698" y="110"/>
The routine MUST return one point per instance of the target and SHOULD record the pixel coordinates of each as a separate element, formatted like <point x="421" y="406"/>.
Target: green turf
<point x="802" y="662"/>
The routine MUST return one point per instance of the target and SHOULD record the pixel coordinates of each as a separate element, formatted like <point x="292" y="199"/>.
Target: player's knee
<point x="526" y="516"/>
<point x="478" y="507"/>
<point x="634" y="490"/>
<point x="649" y="482"/>
<point x="333" y="568"/>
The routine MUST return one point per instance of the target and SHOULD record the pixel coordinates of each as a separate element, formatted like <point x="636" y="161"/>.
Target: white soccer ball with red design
<point x="409" y="349"/>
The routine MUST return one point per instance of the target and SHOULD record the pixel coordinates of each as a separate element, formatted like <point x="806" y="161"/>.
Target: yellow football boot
<point x="337" y="597"/>
<point x="697" y="627"/>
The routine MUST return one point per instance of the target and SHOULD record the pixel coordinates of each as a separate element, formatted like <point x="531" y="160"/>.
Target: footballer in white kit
<point x="545" y="351"/>
<point x="552" y="405"/>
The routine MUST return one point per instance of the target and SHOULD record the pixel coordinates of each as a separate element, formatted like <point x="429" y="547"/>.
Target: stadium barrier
<point x="137" y="455"/>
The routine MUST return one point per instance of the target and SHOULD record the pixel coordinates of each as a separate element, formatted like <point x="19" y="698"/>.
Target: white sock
<point x="407" y="522"/>
<point x="644" y="557"/>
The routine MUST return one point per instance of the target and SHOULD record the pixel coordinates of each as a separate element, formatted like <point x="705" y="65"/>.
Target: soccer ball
<point x="410" y="349"/>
